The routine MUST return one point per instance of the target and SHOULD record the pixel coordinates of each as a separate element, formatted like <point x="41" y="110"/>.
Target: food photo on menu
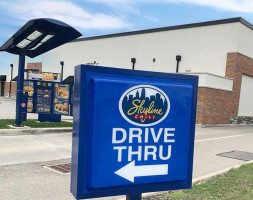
<point x="61" y="101"/>
<point x="49" y="76"/>
<point x="29" y="87"/>
<point x="44" y="76"/>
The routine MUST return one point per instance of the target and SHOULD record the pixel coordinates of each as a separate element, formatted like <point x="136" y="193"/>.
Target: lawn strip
<point x="234" y="185"/>
<point x="34" y="124"/>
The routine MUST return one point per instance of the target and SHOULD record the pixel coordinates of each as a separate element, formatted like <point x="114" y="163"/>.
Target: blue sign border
<point x="80" y="141"/>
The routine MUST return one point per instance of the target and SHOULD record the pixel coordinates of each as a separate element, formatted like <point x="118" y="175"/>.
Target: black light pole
<point x="62" y="64"/>
<point x="178" y="58"/>
<point x="11" y="79"/>
<point x="133" y="60"/>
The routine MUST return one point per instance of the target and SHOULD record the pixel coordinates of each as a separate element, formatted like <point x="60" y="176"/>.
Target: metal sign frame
<point x="81" y="140"/>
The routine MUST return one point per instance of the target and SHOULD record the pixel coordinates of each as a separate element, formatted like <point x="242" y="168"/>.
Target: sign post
<point x="133" y="196"/>
<point x="133" y="132"/>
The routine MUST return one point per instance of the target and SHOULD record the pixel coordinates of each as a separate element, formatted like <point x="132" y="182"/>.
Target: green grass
<point x="237" y="184"/>
<point x="34" y="124"/>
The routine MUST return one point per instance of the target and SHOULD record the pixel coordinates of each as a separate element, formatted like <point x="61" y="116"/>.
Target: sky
<point x="100" y="17"/>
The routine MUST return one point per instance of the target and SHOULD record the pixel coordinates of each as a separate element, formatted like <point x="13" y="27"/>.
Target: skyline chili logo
<point x="144" y="105"/>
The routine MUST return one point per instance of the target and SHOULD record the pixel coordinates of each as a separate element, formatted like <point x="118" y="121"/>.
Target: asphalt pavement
<point x="23" y="177"/>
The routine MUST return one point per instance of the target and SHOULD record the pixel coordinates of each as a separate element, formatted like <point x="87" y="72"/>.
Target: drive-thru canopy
<point x="39" y="36"/>
<point x="36" y="37"/>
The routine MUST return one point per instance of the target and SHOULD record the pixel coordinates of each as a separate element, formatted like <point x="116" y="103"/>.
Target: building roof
<point x="15" y="79"/>
<point x="31" y="70"/>
<point x="169" y="28"/>
<point x="2" y="78"/>
<point x="69" y="79"/>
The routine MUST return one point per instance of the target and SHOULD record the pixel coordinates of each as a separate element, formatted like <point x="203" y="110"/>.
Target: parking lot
<point x="23" y="176"/>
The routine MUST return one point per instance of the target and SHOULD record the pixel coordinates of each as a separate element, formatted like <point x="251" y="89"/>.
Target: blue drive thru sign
<point x="133" y="131"/>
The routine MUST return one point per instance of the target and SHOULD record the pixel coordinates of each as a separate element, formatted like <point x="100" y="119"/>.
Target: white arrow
<point x="130" y="171"/>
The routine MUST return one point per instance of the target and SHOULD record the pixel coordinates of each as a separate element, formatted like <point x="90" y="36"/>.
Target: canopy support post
<point x="20" y="86"/>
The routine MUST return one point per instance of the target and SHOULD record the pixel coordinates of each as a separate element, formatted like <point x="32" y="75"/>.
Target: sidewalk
<point x="8" y="107"/>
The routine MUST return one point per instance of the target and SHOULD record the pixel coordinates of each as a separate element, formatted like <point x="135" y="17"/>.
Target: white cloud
<point x="66" y="11"/>
<point x="227" y="5"/>
<point x="122" y="6"/>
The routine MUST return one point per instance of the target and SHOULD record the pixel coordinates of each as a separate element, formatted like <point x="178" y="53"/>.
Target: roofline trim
<point x="169" y="28"/>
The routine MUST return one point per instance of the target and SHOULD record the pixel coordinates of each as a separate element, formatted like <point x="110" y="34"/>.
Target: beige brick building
<point x="219" y="52"/>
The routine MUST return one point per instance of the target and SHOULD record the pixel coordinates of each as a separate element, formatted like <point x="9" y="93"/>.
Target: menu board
<point x="49" y="76"/>
<point x="72" y="101"/>
<point x="34" y="75"/>
<point x="44" y="76"/>
<point x="29" y="87"/>
<point x="43" y="100"/>
<point x="61" y="100"/>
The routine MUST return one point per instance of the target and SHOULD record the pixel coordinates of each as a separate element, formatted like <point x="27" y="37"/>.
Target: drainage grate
<point x="239" y="155"/>
<point x="60" y="168"/>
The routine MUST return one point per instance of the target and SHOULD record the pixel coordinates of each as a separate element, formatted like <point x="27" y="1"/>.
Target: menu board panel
<point x="29" y="87"/>
<point x="43" y="100"/>
<point x="72" y="101"/>
<point x="30" y="105"/>
<point x="34" y="75"/>
<point x="61" y="100"/>
<point x="44" y="76"/>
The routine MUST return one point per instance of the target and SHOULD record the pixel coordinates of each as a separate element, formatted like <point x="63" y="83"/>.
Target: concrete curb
<point x="223" y="171"/>
<point x="34" y="131"/>
<point x="223" y="125"/>
<point x="201" y="178"/>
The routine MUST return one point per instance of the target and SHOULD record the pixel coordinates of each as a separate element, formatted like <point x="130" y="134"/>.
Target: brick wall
<point x="217" y="106"/>
<point x="213" y="106"/>
<point x="13" y="88"/>
<point x="37" y="65"/>
<point x="237" y="65"/>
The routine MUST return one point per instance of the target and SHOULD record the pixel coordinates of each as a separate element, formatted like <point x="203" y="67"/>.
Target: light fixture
<point x="36" y="46"/>
<point x="47" y="38"/>
<point x="133" y="60"/>
<point x="33" y="36"/>
<point x="23" y="43"/>
<point x="178" y="59"/>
